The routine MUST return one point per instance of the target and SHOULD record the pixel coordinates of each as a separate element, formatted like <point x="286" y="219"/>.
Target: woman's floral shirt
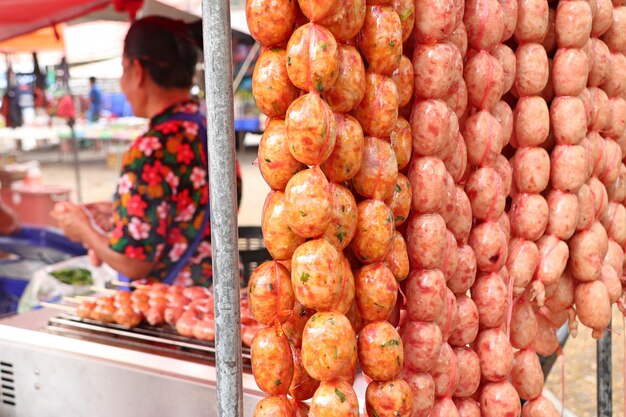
<point x="162" y="195"/>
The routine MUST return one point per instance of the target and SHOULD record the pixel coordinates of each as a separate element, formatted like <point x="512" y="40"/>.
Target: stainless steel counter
<point x="45" y="374"/>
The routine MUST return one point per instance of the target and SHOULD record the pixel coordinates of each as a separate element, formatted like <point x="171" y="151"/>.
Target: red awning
<point x="18" y="17"/>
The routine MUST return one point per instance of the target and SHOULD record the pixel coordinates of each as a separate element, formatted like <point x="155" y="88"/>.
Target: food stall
<point x="436" y="223"/>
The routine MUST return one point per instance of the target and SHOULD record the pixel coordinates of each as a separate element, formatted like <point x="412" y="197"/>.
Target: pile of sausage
<point x="188" y="310"/>
<point x="448" y="189"/>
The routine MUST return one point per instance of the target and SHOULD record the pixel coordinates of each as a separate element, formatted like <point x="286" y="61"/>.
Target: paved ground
<point x="98" y="183"/>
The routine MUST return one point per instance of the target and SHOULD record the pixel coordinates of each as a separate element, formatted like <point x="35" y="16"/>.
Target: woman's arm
<point x="76" y="226"/>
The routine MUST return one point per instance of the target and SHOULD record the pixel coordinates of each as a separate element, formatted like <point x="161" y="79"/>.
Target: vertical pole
<point x="218" y="72"/>
<point x="603" y="354"/>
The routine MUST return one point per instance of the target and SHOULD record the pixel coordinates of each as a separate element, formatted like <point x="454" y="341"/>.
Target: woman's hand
<point x="72" y="220"/>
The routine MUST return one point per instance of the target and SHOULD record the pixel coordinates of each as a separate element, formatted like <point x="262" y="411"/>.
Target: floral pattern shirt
<point x="161" y="197"/>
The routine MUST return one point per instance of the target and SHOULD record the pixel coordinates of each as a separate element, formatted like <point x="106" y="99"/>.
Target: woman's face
<point x="131" y="83"/>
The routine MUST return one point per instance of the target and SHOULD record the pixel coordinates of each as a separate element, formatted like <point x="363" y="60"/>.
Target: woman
<point x="162" y="197"/>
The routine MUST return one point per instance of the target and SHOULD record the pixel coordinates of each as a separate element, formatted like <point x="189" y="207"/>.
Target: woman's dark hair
<point x="167" y="48"/>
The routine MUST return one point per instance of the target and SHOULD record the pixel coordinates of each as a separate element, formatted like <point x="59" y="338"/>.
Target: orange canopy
<point x="46" y="39"/>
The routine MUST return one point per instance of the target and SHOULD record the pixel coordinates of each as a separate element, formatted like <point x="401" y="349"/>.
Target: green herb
<point x="269" y="161"/>
<point x="304" y="277"/>
<point x="400" y="218"/>
<point x="378" y="305"/>
<point x="406" y="13"/>
<point x="73" y="276"/>
<point x="323" y="46"/>
<point x="340" y="235"/>
<point x="288" y="60"/>
<point x="398" y="360"/>
<point x="331" y="320"/>
<point x="319" y="86"/>
<point x="392" y="342"/>
<point x="374" y="413"/>
<point x="275" y="107"/>
<point x="275" y="49"/>
<point x="270" y="286"/>
<point x="392" y="44"/>
<point x="341" y="395"/>
<point x="398" y="188"/>
<point x="336" y="354"/>
<point x="277" y="382"/>
<point x="303" y="214"/>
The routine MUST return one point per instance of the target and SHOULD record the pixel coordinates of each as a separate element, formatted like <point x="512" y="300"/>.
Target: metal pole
<point x="218" y="73"/>
<point x="75" y="142"/>
<point x="603" y="357"/>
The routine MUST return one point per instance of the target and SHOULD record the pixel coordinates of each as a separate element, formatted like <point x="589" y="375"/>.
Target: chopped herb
<point x="374" y="413"/>
<point x="293" y="148"/>
<point x="323" y="46"/>
<point x="269" y="161"/>
<point x="392" y="44"/>
<point x="276" y="107"/>
<point x="392" y="342"/>
<point x="336" y="355"/>
<point x="343" y="208"/>
<point x="304" y="277"/>
<point x="319" y="86"/>
<point x="378" y="305"/>
<point x="289" y="228"/>
<point x="340" y="235"/>
<point x="398" y="360"/>
<point x="303" y="214"/>
<point x="275" y="49"/>
<point x="270" y="286"/>
<point x="341" y="395"/>
<point x="277" y="382"/>
<point x="398" y="188"/>
<point x="400" y="218"/>
<point x="406" y="13"/>
<point x="313" y="318"/>
<point x="331" y="320"/>
<point x="288" y="60"/>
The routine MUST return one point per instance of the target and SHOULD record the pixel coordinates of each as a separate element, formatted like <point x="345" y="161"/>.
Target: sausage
<point x="531" y="169"/>
<point x="281" y="240"/>
<point x="344" y="217"/>
<point x="308" y="202"/>
<point x="615" y="36"/>
<point x="349" y="88"/>
<point x="272" y="363"/>
<point x="459" y="37"/>
<point x="406" y="11"/>
<point x="532" y="21"/>
<point x="278" y="406"/>
<point x="486" y="193"/>
<point x="617" y="190"/>
<point x="484" y="21"/>
<point x="346" y="157"/>
<point x="586" y="208"/>
<point x="569" y="74"/>
<point x="403" y="78"/>
<point x="469" y="372"/>
<point x="613" y="163"/>
<point x="600" y="196"/>
<point x="572" y="24"/>
<point x="602" y="18"/>
<point x="521" y="263"/>
<point x="329" y="347"/>
<point x="294" y="325"/>
<point x="431" y="126"/>
<point x="423" y="389"/>
<point x="484" y="76"/>
<point x="600" y="63"/>
<point x="509" y="15"/>
<point x="346" y="20"/>
<point x="526" y="374"/>
<point x="553" y="256"/>
<point x="483" y="138"/>
<point x="614" y="222"/>
<point x="456" y="163"/>
<point x="568" y="120"/>
<point x="495" y="353"/>
<point x="447" y="319"/>
<point x="378" y="110"/>
<point x="374" y="232"/>
<point x="426" y="241"/>
<point x="400" y="202"/>
<point x="490" y="295"/>
<point x="379" y="170"/>
<point x="334" y="398"/>
<point x="549" y="40"/>
<point x="434" y="20"/>
<point x="276" y="164"/>
<point x="600" y="109"/>
<point x="568" y="167"/>
<point x="433" y="67"/>
<point x="467" y="407"/>
<point x="587" y="251"/>
<point x="529" y="216"/>
<point x="347" y="298"/>
<point x="389" y="398"/>
<point x="311" y="129"/>
<point x="422" y="343"/>
<point x="445" y="372"/>
<point x="612" y="282"/>
<point x="523" y="325"/>
<point x="401" y="142"/>
<point x="312" y="58"/>
<point x="380" y="39"/>
<point x="380" y="350"/>
<point x="490" y="246"/>
<point x="593" y="306"/>
<point x="316" y="11"/>
<point x="376" y="291"/>
<point x="563" y="214"/>
<point x="615" y="257"/>
<point x="507" y="59"/>
<point x="617" y="121"/>
<point x="398" y="259"/>
<point x="615" y="83"/>
<point x="563" y="296"/>
<point x="316" y="274"/>
<point x="271" y="25"/>
<point x="425" y="294"/>
<point x="539" y="407"/>
<point x="273" y="91"/>
<point x="444" y="407"/>
<point x="532" y="69"/>
<point x="302" y="385"/>
<point x="531" y="122"/>
<point x="270" y="293"/>
<point x="466" y="270"/>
